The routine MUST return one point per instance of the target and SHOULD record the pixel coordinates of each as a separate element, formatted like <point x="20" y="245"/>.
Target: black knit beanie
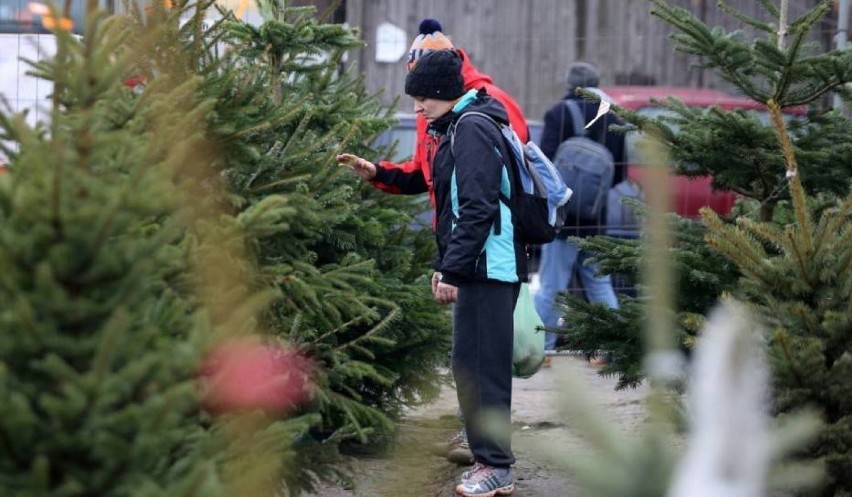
<point x="437" y="75"/>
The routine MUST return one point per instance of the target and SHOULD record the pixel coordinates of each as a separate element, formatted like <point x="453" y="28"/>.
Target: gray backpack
<point x="586" y="166"/>
<point x="621" y="218"/>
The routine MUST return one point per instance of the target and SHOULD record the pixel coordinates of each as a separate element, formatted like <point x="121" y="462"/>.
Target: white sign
<point x="391" y="43"/>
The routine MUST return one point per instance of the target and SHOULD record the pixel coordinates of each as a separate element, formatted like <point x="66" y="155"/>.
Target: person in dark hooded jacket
<point x="481" y="261"/>
<point x="563" y="258"/>
<point x="415" y="176"/>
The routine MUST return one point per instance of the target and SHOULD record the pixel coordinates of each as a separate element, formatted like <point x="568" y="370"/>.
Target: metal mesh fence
<point x="23" y="36"/>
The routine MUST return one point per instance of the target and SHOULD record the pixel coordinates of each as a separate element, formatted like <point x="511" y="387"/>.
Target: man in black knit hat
<point x="562" y="258"/>
<point x="480" y="263"/>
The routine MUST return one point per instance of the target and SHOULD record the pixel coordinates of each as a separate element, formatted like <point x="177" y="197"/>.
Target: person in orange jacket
<point x="415" y="176"/>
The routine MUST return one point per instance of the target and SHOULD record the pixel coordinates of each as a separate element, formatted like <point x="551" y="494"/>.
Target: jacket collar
<point x="465" y="100"/>
<point x="442" y="124"/>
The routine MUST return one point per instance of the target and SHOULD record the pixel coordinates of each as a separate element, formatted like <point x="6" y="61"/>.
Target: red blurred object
<point x="134" y="81"/>
<point x="244" y="374"/>
<point x="689" y="195"/>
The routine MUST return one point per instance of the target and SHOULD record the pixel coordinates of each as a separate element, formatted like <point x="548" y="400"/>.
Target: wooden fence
<point x="527" y="45"/>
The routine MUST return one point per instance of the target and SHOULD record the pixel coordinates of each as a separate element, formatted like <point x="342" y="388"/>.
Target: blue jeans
<point x="558" y="259"/>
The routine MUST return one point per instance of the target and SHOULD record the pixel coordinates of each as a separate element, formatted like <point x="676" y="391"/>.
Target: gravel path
<point x="417" y="467"/>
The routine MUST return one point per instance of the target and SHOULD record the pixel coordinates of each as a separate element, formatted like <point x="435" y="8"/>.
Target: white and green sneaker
<point x="485" y="481"/>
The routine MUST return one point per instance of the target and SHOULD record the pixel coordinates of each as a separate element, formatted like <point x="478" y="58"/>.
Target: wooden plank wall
<point x="527" y="45"/>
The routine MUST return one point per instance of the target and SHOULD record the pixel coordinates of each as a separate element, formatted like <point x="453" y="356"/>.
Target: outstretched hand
<point x="362" y="167"/>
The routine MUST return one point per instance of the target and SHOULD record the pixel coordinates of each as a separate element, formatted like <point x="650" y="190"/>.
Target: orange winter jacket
<point x="415" y="176"/>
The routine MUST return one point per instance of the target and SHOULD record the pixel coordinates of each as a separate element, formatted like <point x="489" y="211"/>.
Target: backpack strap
<point x="514" y="180"/>
<point x="576" y="117"/>
<point x="578" y="121"/>
<point x="455" y="125"/>
<point x="505" y="151"/>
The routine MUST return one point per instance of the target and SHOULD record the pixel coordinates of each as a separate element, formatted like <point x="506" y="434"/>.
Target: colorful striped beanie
<point x="430" y="39"/>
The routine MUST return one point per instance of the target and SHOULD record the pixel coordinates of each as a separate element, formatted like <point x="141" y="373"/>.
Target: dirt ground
<point x="418" y="467"/>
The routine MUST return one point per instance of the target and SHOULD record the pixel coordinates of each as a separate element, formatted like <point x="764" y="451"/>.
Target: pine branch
<point x="749" y="255"/>
<point x="712" y="46"/>
<point x="770" y="7"/>
<point x="812" y="16"/>
<point x="769" y="232"/>
<point x="802" y="255"/>
<point x="760" y="26"/>
<point x="831" y="223"/>
<point x="788" y="356"/>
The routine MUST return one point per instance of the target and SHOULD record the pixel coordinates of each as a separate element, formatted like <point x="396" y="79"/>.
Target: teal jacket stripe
<point x="500" y="249"/>
<point x="454" y="197"/>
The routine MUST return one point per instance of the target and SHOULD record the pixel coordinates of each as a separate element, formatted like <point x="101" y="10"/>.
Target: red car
<point x="690" y="194"/>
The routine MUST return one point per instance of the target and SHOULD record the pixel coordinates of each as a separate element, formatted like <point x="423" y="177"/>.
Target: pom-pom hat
<point x="429" y="39"/>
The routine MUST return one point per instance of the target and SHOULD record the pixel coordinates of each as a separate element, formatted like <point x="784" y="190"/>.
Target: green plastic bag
<point x="528" y="352"/>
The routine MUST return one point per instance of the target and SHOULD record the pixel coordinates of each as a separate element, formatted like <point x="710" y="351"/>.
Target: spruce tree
<point x="798" y="277"/>
<point x="120" y="269"/>
<point x="99" y="340"/>
<point x="795" y="275"/>
<point x="740" y="149"/>
<point x="346" y="275"/>
<point x="702" y="276"/>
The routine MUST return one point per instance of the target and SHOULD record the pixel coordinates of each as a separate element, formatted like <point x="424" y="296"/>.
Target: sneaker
<point x="458" y="450"/>
<point x="485" y="481"/>
<point x="468" y="473"/>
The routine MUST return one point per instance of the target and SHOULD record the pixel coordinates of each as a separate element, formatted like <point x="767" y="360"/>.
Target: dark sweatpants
<point x="483" y="334"/>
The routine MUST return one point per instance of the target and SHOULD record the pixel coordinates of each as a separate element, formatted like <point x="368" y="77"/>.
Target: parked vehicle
<point x="689" y="194"/>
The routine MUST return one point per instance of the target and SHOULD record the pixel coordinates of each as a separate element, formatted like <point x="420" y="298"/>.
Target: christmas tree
<point x="702" y="275"/>
<point x="795" y="275"/>
<point x="100" y="334"/>
<point x="740" y="149"/>
<point x="798" y="277"/>
<point x="123" y="262"/>
<point x="344" y="273"/>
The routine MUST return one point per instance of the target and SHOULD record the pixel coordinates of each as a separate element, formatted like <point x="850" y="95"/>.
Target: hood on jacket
<point x="472" y="101"/>
<point x="472" y="77"/>
<point x="481" y="101"/>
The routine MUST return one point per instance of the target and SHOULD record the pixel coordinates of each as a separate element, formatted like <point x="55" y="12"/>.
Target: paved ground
<point x="417" y="468"/>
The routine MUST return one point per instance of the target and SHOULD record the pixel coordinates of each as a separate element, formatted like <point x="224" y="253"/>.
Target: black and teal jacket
<point x="474" y="229"/>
